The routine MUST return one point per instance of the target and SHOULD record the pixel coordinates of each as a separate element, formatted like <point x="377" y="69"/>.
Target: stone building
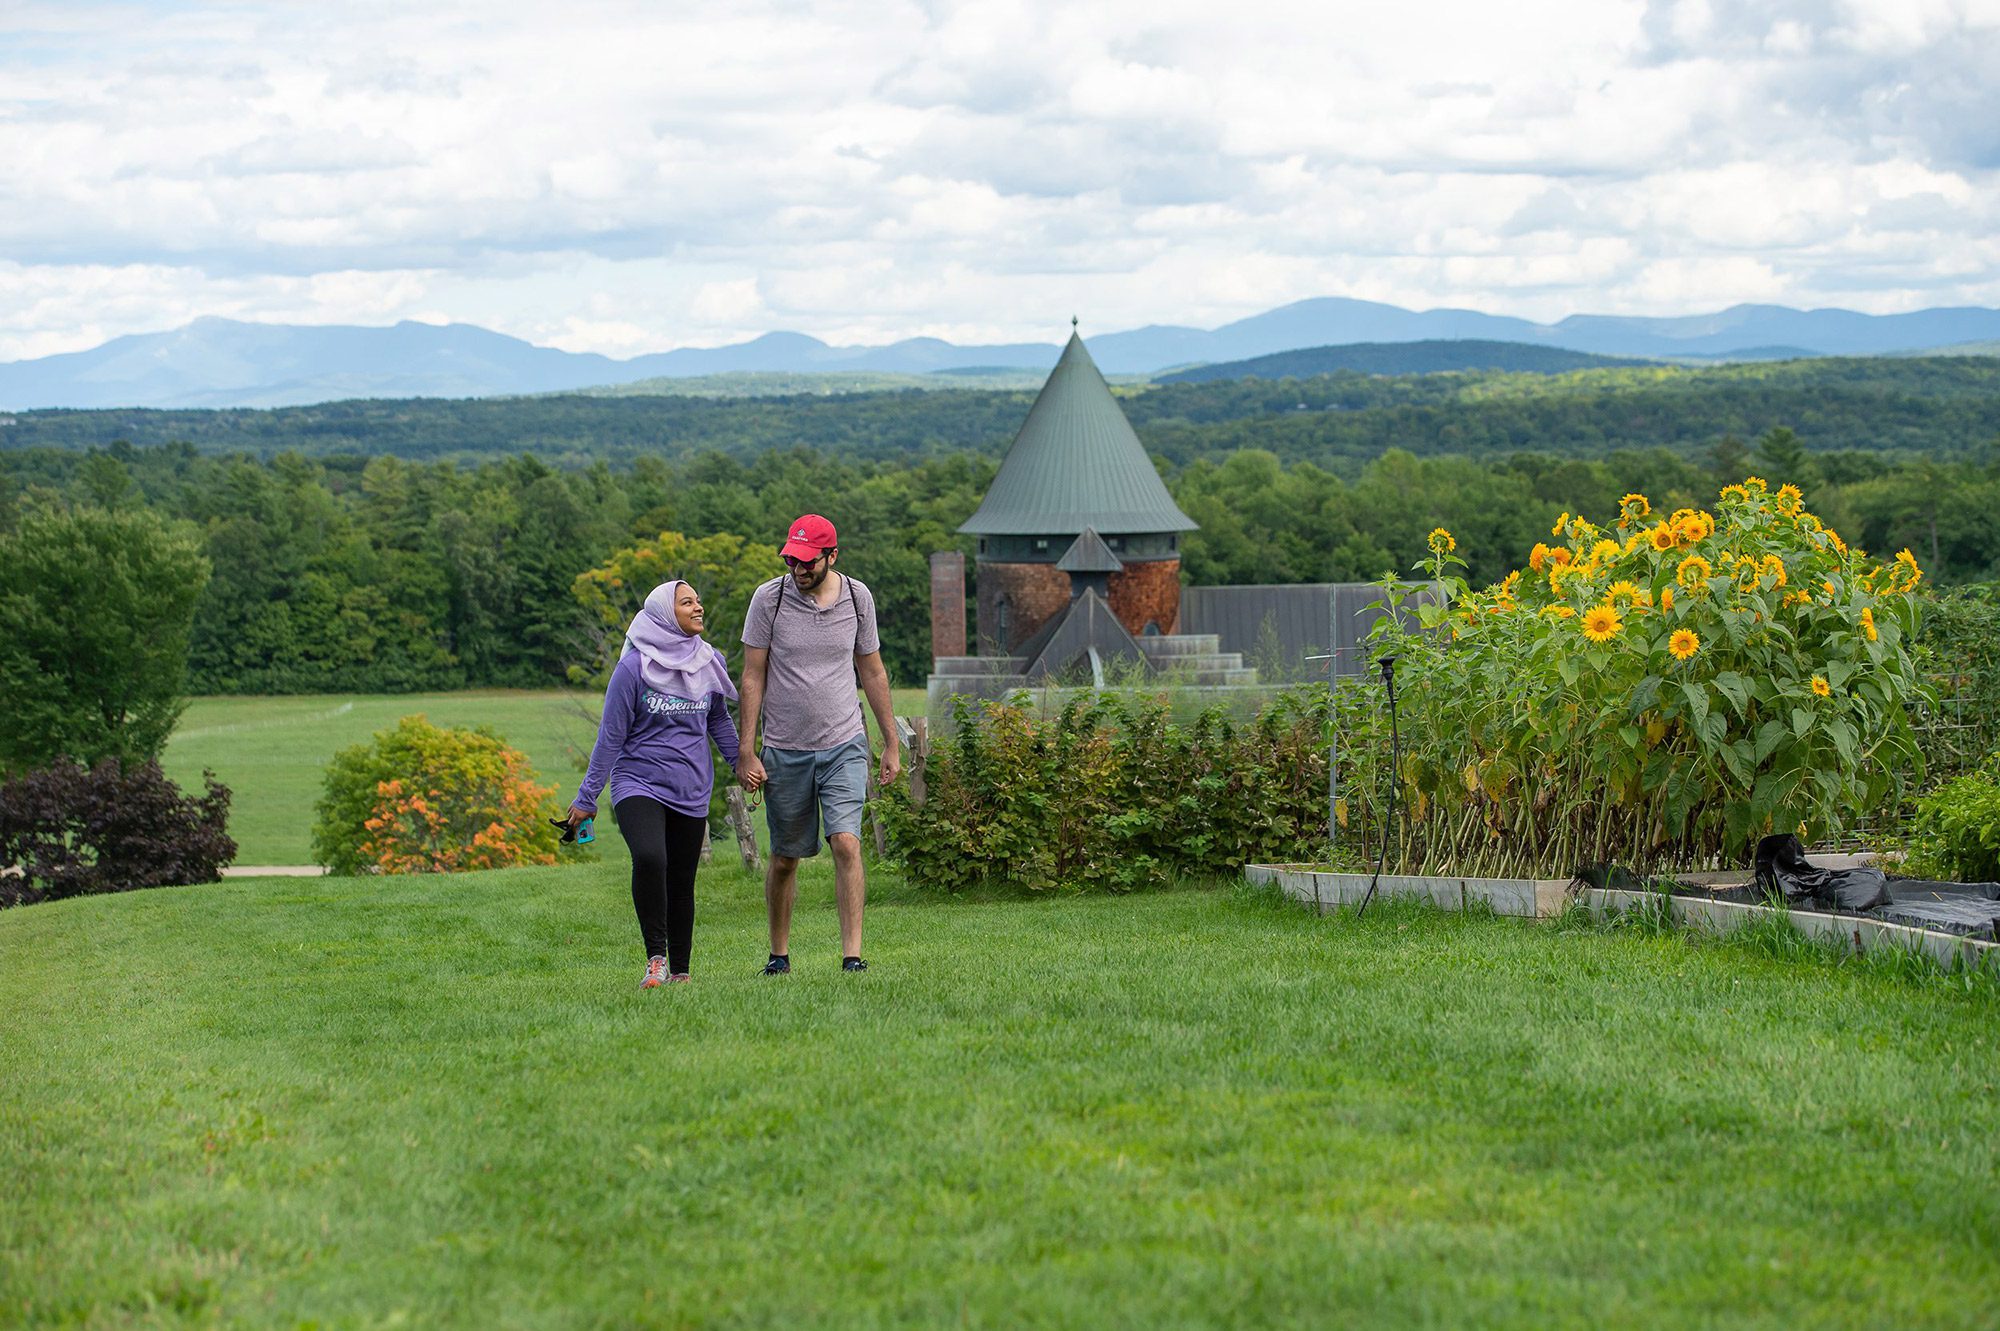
<point x="1078" y="560"/>
<point x="1075" y="466"/>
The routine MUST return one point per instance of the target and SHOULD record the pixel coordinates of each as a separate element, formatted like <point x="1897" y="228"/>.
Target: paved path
<point x="275" y="871"/>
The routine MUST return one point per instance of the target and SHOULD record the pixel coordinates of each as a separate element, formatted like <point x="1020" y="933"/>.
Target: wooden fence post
<point x="920" y="753"/>
<point x="746" y="834"/>
<point x="706" y="855"/>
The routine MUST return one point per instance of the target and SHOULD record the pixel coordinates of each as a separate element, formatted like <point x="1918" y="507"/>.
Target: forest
<point x="1944" y="407"/>
<point x="348" y="573"/>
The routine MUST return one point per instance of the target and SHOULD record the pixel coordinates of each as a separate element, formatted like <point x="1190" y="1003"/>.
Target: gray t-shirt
<point x="810" y="698"/>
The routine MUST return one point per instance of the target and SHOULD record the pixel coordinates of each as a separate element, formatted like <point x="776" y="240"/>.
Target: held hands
<point x="750" y="772"/>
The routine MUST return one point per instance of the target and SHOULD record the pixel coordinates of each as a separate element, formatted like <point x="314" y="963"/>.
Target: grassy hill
<point x="272" y="752"/>
<point x="442" y="1102"/>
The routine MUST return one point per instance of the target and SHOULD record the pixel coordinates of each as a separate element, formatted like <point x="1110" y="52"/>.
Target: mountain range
<point x="215" y="362"/>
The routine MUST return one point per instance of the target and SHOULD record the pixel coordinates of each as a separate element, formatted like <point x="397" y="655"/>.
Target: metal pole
<point x="1332" y="751"/>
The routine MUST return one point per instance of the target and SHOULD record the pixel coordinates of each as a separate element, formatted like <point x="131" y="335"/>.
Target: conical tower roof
<point x="1076" y="464"/>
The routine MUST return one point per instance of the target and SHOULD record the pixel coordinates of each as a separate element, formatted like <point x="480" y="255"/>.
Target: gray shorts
<point x="808" y="790"/>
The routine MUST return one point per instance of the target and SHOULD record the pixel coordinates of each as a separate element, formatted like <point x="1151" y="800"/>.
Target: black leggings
<point x="666" y="850"/>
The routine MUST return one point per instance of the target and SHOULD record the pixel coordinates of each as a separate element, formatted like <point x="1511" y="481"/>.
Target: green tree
<point x="94" y="623"/>
<point x="723" y="569"/>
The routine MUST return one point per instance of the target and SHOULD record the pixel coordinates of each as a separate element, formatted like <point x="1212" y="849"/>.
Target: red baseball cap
<point x="810" y="537"/>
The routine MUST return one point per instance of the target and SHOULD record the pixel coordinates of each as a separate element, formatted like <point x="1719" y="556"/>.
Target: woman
<point x="669" y="695"/>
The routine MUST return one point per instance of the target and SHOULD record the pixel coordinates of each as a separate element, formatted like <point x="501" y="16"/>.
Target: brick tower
<point x="1075" y="466"/>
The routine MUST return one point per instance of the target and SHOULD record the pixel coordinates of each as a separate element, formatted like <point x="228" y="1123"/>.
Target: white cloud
<point x="633" y="177"/>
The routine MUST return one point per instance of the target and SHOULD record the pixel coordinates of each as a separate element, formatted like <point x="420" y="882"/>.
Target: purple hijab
<point x="673" y="660"/>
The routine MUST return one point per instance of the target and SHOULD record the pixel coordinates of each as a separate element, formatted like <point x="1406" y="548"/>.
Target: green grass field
<point x="443" y="1102"/>
<point x="271" y="751"/>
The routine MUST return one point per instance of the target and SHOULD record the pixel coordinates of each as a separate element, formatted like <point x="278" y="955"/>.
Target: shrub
<point x="1658" y="692"/>
<point x="1112" y="795"/>
<point x="420" y="798"/>
<point x="1956" y="833"/>
<point x="1958" y="651"/>
<point x="74" y="831"/>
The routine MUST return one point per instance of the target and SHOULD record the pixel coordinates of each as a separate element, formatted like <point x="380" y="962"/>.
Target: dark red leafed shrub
<point x="69" y="831"/>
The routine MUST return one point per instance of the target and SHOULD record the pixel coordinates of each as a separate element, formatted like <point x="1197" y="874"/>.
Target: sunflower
<point x="1633" y="507"/>
<point x="1561" y="522"/>
<point x="1441" y="542"/>
<point x="1559" y="611"/>
<point x="1694" y="571"/>
<point x="1908" y="563"/>
<point x="1789" y="498"/>
<point x="1606" y="552"/>
<point x="1538" y="556"/>
<point x="1666" y="599"/>
<point x="1511" y="584"/>
<point x="1601" y="623"/>
<point x="1558" y="575"/>
<point x="1821" y="687"/>
<point x="1561" y="556"/>
<point x="1683" y="644"/>
<point x="1694" y="526"/>
<point x="1838" y="544"/>
<point x="1662" y="538"/>
<point x="1756" y="484"/>
<point x="1868" y="624"/>
<point x="1624" y="588"/>
<point x="1734" y="492"/>
<point x="1773" y="566"/>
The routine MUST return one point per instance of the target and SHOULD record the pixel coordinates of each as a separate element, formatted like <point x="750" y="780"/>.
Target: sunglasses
<point x="792" y="562"/>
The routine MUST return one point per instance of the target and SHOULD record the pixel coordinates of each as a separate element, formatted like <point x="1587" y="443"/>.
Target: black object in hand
<point x="579" y="831"/>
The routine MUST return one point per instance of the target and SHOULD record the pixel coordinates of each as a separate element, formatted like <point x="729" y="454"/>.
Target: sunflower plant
<point x="1658" y="691"/>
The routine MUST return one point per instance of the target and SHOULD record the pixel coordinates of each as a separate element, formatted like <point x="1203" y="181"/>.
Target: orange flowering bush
<point x="420" y="798"/>
<point x="1661" y="691"/>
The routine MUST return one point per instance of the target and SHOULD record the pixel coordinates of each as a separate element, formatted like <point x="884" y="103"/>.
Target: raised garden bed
<point x="1546" y="897"/>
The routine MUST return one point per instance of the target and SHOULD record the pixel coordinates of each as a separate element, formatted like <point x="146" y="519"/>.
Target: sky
<point x="632" y="177"/>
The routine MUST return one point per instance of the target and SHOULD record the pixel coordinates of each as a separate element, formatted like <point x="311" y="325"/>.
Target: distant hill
<point x="1401" y="358"/>
<point x="222" y="363"/>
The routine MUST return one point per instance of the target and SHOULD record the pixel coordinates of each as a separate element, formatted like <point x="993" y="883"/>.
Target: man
<point x="808" y="637"/>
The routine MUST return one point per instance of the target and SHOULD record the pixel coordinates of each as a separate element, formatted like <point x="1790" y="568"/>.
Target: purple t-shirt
<point x="653" y="744"/>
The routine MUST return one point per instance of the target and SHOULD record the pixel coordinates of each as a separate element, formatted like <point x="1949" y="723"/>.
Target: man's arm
<point x="875" y="687"/>
<point x="750" y="768"/>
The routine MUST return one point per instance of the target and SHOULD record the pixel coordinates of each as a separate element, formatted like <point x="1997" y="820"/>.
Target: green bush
<point x="1958" y="651"/>
<point x="421" y="798"/>
<point x="1112" y="795"/>
<point x="1956" y="833"/>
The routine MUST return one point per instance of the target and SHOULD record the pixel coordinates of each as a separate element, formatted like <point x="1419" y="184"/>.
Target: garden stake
<point x="1388" y="664"/>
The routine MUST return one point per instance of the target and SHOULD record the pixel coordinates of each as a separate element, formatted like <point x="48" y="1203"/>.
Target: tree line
<point x="381" y="574"/>
<point x="1945" y="407"/>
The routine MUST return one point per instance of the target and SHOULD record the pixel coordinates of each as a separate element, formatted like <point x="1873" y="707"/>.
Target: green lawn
<point x="270" y="751"/>
<point x="443" y="1103"/>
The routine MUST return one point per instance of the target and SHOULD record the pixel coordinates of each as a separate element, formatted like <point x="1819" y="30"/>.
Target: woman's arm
<point x="612" y="728"/>
<point x="722" y="729"/>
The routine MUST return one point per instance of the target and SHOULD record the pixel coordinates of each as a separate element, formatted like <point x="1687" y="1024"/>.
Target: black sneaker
<point x="853" y="964"/>
<point x="778" y="965"/>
